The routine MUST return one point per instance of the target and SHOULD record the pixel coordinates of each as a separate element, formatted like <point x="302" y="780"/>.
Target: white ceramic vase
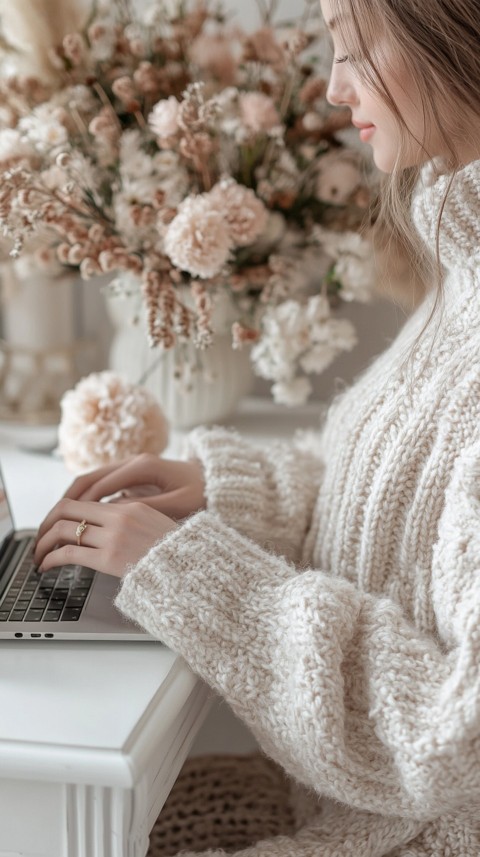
<point x="38" y="345"/>
<point x="193" y="387"/>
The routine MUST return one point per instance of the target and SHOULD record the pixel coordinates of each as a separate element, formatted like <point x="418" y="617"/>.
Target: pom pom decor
<point x="106" y="419"/>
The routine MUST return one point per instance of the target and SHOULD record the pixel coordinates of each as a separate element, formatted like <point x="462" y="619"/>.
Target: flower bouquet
<point x="204" y="162"/>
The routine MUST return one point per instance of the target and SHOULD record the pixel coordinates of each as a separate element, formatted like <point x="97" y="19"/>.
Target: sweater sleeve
<point x="336" y="684"/>
<point x="267" y="495"/>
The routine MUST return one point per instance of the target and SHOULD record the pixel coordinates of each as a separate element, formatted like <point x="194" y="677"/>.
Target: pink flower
<point x="106" y="419"/>
<point x="163" y="119"/>
<point x="258" y="112"/>
<point x="198" y="238"/>
<point x="243" y="211"/>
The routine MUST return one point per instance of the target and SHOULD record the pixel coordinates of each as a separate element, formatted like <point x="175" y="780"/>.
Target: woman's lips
<point x="366" y="131"/>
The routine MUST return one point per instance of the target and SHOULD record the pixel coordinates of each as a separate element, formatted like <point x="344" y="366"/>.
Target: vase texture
<point x="39" y="343"/>
<point x="192" y="386"/>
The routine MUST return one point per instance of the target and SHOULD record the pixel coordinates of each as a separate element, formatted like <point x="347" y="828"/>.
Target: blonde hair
<point x="438" y="40"/>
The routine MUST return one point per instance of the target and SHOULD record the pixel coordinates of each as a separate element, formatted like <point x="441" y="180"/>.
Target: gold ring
<point x="80" y="530"/>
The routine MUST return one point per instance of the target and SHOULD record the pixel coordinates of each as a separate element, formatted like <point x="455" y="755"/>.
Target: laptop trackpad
<point x="102" y="595"/>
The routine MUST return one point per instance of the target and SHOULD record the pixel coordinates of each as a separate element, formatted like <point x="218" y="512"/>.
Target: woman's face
<point x="377" y="123"/>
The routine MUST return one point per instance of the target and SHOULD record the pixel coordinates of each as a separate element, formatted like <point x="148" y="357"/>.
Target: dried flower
<point x="258" y="112"/>
<point x="191" y="162"/>
<point x="106" y="419"/>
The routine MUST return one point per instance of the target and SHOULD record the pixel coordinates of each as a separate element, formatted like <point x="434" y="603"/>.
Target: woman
<point x="334" y="598"/>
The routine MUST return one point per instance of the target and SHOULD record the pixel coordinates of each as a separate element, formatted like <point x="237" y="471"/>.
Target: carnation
<point x="106" y="419"/>
<point x="245" y="213"/>
<point x="198" y="238"/>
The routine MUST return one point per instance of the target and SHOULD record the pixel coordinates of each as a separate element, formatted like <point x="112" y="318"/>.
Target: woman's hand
<point x="176" y="488"/>
<point x="115" y="536"/>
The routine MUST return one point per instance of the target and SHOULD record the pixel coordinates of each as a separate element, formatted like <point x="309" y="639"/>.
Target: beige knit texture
<point x="223" y="802"/>
<point x="334" y="599"/>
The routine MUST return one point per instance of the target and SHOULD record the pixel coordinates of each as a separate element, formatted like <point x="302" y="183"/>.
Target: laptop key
<point x="71" y="614"/>
<point x="39" y="603"/>
<point x="60" y="592"/>
<point x="74" y="602"/>
<point x="45" y="590"/>
<point x="52" y="615"/>
<point x="4" y="614"/>
<point x="80" y="591"/>
<point x="17" y="615"/>
<point x="34" y="616"/>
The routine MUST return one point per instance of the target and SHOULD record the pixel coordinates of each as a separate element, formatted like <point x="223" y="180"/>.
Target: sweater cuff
<point x="268" y="495"/>
<point x="190" y="601"/>
<point x="234" y="476"/>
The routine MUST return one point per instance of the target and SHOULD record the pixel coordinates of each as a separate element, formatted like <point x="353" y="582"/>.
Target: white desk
<point x="93" y="736"/>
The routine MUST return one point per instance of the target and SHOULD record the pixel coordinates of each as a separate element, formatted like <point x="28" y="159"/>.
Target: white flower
<point x="166" y="162"/>
<point x="245" y="214"/>
<point x="163" y="119"/>
<point x="106" y="419"/>
<point x="14" y="146"/>
<point x="317" y="358"/>
<point x="78" y="97"/>
<point x="343" y="334"/>
<point x="134" y="161"/>
<point x="354" y="262"/>
<point x="198" y="238"/>
<point x="292" y="393"/>
<point x="54" y="178"/>
<point x="46" y="127"/>
<point x="269" y="358"/>
<point x="297" y="337"/>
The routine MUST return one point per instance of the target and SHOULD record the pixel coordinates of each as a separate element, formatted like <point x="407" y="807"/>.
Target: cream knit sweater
<point x="334" y="599"/>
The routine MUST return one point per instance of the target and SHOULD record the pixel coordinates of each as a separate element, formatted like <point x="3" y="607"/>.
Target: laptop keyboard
<point x="58" y="595"/>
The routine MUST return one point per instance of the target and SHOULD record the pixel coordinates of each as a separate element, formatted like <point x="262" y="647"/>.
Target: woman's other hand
<point x="115" y="537"/>
<point x="176" y="488"/>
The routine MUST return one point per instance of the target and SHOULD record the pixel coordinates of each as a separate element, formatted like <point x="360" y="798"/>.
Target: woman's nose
<point x="340" y="89"/>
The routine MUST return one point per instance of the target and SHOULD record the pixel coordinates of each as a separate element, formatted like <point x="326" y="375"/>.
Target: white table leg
<point x="55" y="820"/>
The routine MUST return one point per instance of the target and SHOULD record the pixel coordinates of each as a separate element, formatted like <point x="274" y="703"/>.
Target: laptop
<point x="67" y="603"/>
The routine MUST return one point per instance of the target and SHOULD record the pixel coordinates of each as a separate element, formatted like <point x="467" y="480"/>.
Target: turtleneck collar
<point x="459" y="237"/>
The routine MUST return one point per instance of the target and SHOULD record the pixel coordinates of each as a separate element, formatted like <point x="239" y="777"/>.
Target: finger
<point x="74" y="555"/>
<point x="65" y="533"/>
<point x="74" y="510"/>
<point x="172" y="503"/>
<point x="139" y="471"/>
<point x="86" y="480"/>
